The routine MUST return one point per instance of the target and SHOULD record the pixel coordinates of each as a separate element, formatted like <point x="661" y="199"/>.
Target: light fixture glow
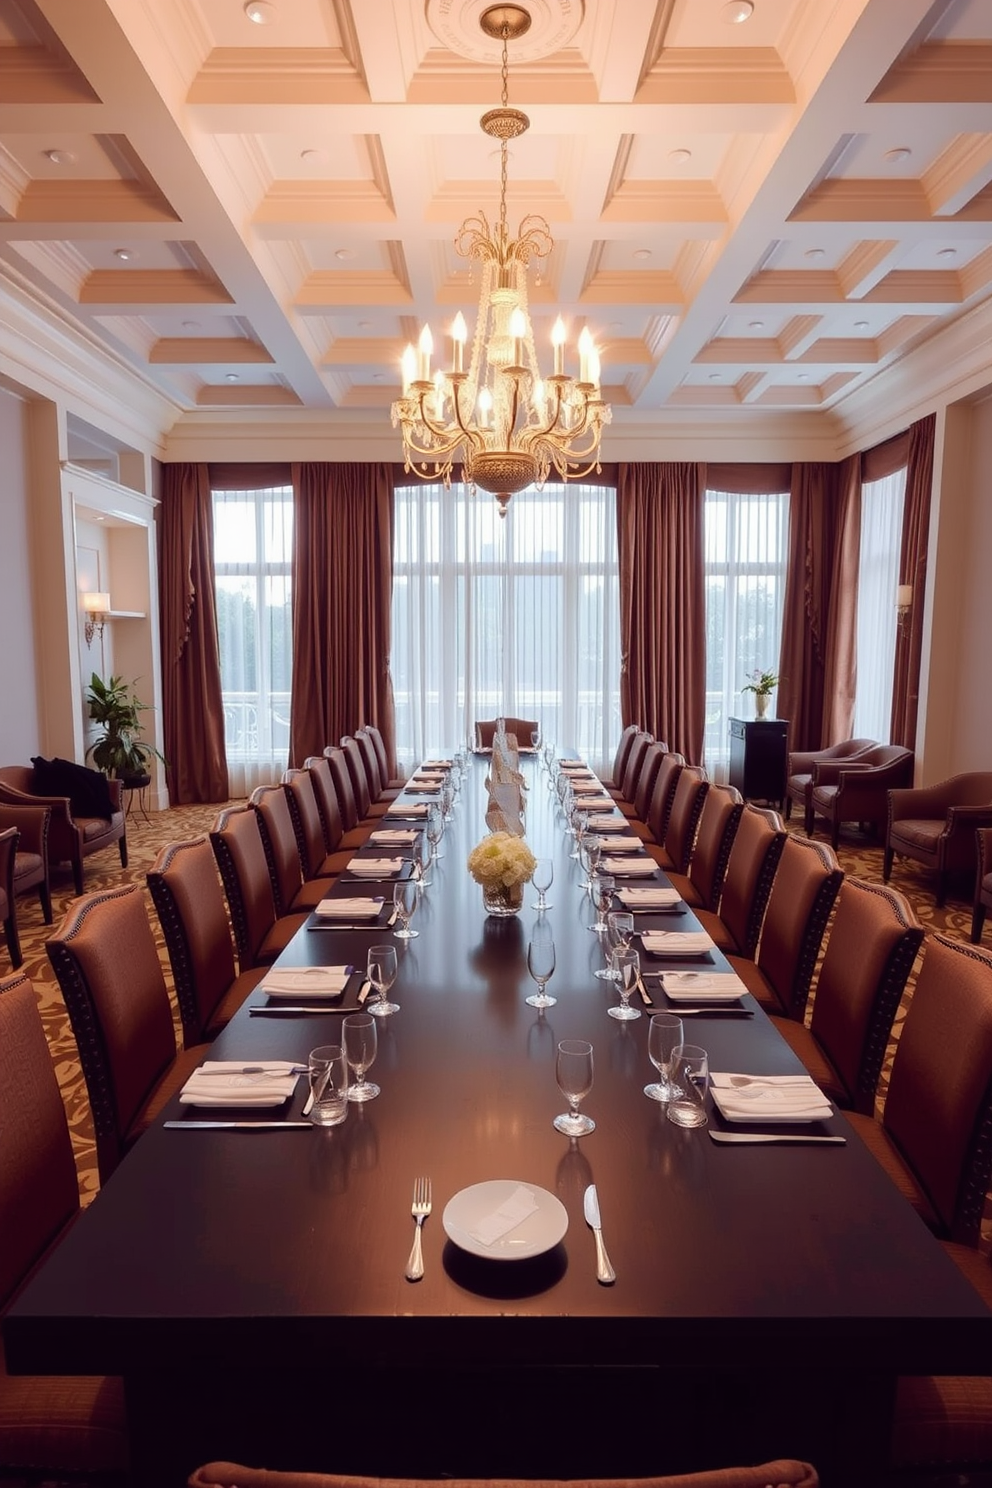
<point x="737" y="11"/>
<point x="900" y="152"/>
<point x="124" y="254"/>
<point x="60" y="157"/>
<point x="506" y="425"/>
<point x="260" y="12"/>
<point x="96" y="607"/>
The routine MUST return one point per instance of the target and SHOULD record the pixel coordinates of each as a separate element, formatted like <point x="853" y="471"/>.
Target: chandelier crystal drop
<point x="506" y="425"/>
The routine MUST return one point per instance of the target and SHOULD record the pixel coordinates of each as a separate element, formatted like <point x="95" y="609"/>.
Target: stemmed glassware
<point x="573" y="1072"/>
<point x="592" y="852"/>
<point x="358" y="1034"/>
<point x="619" y="934"/>
<point x="603" y="885"/>
<point x="435" y="831"/>
<point x="664" y="1037"/>
<point x="535" y="739"/>
<point x="542" y="878"/>
<point x="541" y="965"/>
<point x="627" y="968"/>
<point x="381" y="972"/>
<point x="578" y="821"/>
<point x="406" y="897"/>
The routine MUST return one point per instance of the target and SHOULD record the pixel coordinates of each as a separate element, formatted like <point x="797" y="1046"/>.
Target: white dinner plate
<point x="539" y="1232"/>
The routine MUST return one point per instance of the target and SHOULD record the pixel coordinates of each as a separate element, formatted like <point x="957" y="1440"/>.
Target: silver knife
<point x="239" y="1125"/>
<point x="590" y="1207"/>
<point x="277" y="1010"/>
<point x="724" y="1136"/>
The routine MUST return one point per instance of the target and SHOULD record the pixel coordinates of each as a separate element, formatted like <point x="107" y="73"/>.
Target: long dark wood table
<point x="250" y="1287"/>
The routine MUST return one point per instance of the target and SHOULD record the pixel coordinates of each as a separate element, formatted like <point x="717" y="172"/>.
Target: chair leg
<point x="788" y="807"/>
<point x="834" y="833"/>
<point x="977" y="921"/>
<point x="941" y="889"/>
<point x="809" y="821"/>
<point x="77" y="875"/>
<point x="123" y="848"/>
<point x="45" y="899"/>
<point x="13" y="941"/>
<point x="887" y="864"/>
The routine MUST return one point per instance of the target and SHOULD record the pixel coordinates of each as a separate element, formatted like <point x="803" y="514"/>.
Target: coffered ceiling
<point x="260" y="213"/>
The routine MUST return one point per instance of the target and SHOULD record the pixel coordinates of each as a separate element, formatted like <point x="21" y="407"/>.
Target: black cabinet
<point x="758" y="750"/>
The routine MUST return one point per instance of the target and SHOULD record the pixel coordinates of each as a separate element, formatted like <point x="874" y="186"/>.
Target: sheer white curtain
<point x="253" y="551"/>
<point x="746" y="550"/>
<point x="878" y="578"/>
<point x="518" y="616"/>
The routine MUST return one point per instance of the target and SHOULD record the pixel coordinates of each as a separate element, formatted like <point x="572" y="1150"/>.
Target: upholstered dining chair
<point x="615" y="777"/>
<point x="932" y="1139"/>
<point x="784" y="1473"/>
<point x="654" y="758"/>
<point x="624" y="801"/>
<point x="522" y="729"/>
<point x="806" y="884"/>
<point x="187" y="895"/>
<point x="108" y="968"/>
<point x="31" y="858"/>
<point x="379" y="789"/>
<point x="690" y="794"/>
<point x="747" y="883"/>
<point x="935" y="825"/>
<point x="357" y="828"/>
<point x="318" y="767"/>
<point x="983" y="882"/>
<point x="857" y="790"/>
<point x="301" y="794"/>
<point x="8" y="912"/>
<point x="873" y="942"/>
<point x="259" y="931"/>
<point x="719" y="819"/>
<point x="72" y="836"/>
<point x="655" y="824"/>
<point x="50" y="1427"/>
<point x="282" y="853"/>
<point x="362" y="783"/>
<point x="389" y="780"/>
<point x="799" y="772"/>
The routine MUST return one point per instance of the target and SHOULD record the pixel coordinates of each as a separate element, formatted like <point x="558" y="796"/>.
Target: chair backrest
<point x="718" y="823"/>
<point x="360" y="784"/>
<point x="683" y="819"/>
<point x="650" y="765"/>
<point x="635" y="758"/>
<point x="8" y="851"/>
<point x="319" y="770"/>
<point x="750" y="873"/>
<point x="370" y="759"/>
<point x="282" y="851"/>
<point x="39" y="1194"/>
<point x="627" y="737"/>
<point x="343" y="788"/>
<point x="107" y="964"/>
<point x="806" y="883"/>
<point x="305" y="811"/>
<point x="873" y="942"/>
<point x="237" y="843"/>
<point x="187" y="895"/>
<point x="379" y="745"/>
<point x="660" y="805"/>
<point x="938" y="1109"/>
<point x="521" y="728"/>
<point x="801" y="761"/>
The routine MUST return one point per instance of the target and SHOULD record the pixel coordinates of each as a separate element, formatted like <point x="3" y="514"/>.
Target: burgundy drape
<point x="913" y="571"/>
<point x="342" y="599"/>
<point x="841" y="652"/>
<point x="192" y="710"/>
<point x="663" y="602"/>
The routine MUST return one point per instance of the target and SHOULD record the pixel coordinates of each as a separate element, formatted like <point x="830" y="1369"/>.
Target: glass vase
<point x="502" y="901"/>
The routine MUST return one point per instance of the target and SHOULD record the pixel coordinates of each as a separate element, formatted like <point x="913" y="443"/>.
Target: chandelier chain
<point x="504" y="100"/>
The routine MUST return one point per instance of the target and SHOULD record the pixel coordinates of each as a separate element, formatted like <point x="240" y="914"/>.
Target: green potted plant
<point x="762" y="684"/>
<point x="118" y="749"/>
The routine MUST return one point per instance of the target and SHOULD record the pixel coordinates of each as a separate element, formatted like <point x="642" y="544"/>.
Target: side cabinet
<point x="758" y="756"/>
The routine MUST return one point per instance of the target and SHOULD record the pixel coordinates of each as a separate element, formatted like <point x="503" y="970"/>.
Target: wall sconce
<point x="96" y="608"/>
<point x="904" y="601"/>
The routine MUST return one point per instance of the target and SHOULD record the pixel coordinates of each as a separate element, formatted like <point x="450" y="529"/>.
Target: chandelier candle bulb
<point x="558" y="342"/>
<point x="459" y="335"/>
<point x="518" y="330"/>
<point x="585" y="348"/>
<point x="426" y="348"/>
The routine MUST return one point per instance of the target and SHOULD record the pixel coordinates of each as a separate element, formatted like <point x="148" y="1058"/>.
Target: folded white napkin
<point x="306" y="981"/>
<point x="429" y="788"/>
<point x="573" y="767"/>
<point x="436" y="765"/>
<point x="427" y="777"/>
<point x="219" y="1082"/>
<point x="591" y="803"/>
<point x="629" y="867"/>
<point x="411" y="808"/>
<point x="375" y="867"/>
<point x="654" y="896"/>
<point x="676" y="942"/>
<point x="608" y="823"/>
<point x="621" y="844"/>
<point x="394" y="836"/>
<point x="349" y="909"/>
<point x="513" y="1211"/>
<point x="702" y="986"/>
<point x="775" y="1098"/>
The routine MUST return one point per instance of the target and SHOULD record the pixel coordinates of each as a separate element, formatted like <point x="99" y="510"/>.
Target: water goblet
<point x="358" y="1034"/>
<point x="578" y="823"/>
<point x="603" y="885"/>
<point x="535" y="739"/>
<point x="381" y="972"/>
<point x="664" y="1037"/>
<point x="541" y="965"/>
<point x="690" y="1068"/>
<point x="573" y="1072"/>
<point x="591" y="854"/>
<point x="619" y="934"/>
<point x="406" y="897"/>
<point x="627" y="966"/>
<point x="435" y="831"/>
<point x="542" y="879"/>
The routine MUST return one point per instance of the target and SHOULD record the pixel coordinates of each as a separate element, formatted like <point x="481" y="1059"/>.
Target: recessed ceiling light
<point x="231" y="377"/>
<point x="804" y="377"/>
<point x="124" y="254"/>
<point x="376" y="376"/>
<point x="815" y="252"/>
<point x="679" y="157"/>
<point x="261" y="12"/>
<point x="714" y="377"/>
<point x="60" y="157"/>
<point x="948" y="253"/>
<point x="344" y="253"/>
<point x="737" y="11"/>
<point x="191" y="325"/>
<point x="756" y="325"/>
<point x="860" y="325"/>
<point x="312" y="156"/>
<point x="642" y="252"/>
<point x="901" y="152"/>
<point x="364" y="325"/>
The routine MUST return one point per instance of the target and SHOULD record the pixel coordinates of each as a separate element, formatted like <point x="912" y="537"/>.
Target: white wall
<point x="20" y="733"/>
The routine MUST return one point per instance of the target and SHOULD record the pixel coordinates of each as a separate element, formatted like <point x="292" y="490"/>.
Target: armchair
<point x="857" y="790"/>
<point x="522" y="728"/>
<point x="799" y="781"/>
<point x="71" y="837"/>
<point x="31" y="858"/>
<point x="983" y="882"/>
<point x="936" y="825"/>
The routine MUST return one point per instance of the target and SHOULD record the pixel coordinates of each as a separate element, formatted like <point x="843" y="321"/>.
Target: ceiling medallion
<point x="506" y="425"/>
<point x="461" y="27"/>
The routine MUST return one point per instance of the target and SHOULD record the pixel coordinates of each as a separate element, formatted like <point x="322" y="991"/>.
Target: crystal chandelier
<point x="506" y="425"/>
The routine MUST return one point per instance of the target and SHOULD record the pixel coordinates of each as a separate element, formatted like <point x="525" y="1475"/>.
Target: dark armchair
<point x="983" y="882"/>
<point x="72" y="836"/>
<point x="31" y="858"/>
<point x="799" y="783"/>
<point x="857" y="790"/>
<point x="936" y="825"/>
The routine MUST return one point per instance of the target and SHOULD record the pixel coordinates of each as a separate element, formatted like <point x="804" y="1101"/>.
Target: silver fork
<point x="420" y="1208"/>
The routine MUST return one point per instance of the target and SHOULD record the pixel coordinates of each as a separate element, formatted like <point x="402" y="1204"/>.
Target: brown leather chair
<point x="364" y="784"/>
<point x="50" y="1427"/>
<point x="380" y="788"/>
<point x="8" y="917"/>
<point x="799" y="777"/>
<point x="624" y="801"/>
<point x="357" y="829"/>
<point x="309" y="827"/>
<point x="983" y="882"/>
<point x="655" y="824"/>
<point x="615" y="777"/>
<point x="784" y="1473"/>
<point x="259" y="931"/>
<point x="318" y="766"/>
<point x="936" y="824"/>
<point x="107" y="963"/>
<point x="748" y="882"/>
<point x="390" y="779"/>
<point x="31" y="858"/>
<point x="187" y="894"/>
<point x="858" y="790"/>
<point x="282" y="853"/>
<point x="806" y="883"/>
<point x="71" y="838"/>
<point x="690" y="794"/>
<point x="521" y="728"/>
<point x="873" y="942"/>
<point x="719" y="819"/>
<point x="932" y="1139"/>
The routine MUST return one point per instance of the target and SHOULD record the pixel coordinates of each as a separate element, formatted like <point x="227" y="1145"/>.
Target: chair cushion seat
<point x="919" y="835"/>
<point x="717" y="930"/>
<point x="240" y="989"/>
<point x="804" y="1046"/>
<point x="333" y="864"/>
<point x="97" y="826"/>
<point x="882" y="1147"/>
<point x="29" y="869"/>
<point x="756" y="983"/>
<point x="169" y="1085"/>
<point x="278" y="938"/>
<point x="686" y="888"/>
<point x="67" y="1423"/>
<point x="310" y="894"/>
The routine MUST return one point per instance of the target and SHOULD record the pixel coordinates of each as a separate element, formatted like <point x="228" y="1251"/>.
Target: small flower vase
<point x="501" y="901"/>
<point x="761" y="702"/>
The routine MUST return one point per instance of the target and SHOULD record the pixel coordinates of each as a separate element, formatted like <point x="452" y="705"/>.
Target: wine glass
<point x="541" y="965"/>
<point x="664" y="1037"/>
<point x="542" y="878"/>
<point x="381" y="972"/>
<point x="592" y="852"/>
<point x="406" y="897"/>
<point x="423" y="858"/>
<point x="535" y="739"/>
<point x="573" y="1072"/>
<point x="435" y="831"/>
<point x="627" y="967"/>
<point x="578" y="821"/>
<point x="603" y="885"/>
<point x="619" y="934"/>
<point x="358" y="1034"/>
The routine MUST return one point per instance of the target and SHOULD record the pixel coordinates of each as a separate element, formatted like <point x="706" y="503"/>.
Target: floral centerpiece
<point x="502" y="863"/>
<point x="762" y="684"/>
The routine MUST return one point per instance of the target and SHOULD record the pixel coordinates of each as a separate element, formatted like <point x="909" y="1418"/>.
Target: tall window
<point x="746" y="550"/>
<point x="518" y="616"/>
<point x="878" y="578"/>
<point x="253" y="551"/>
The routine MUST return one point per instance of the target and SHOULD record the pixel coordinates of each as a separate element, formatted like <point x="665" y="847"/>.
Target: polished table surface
<point x="226" y="1256"/>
